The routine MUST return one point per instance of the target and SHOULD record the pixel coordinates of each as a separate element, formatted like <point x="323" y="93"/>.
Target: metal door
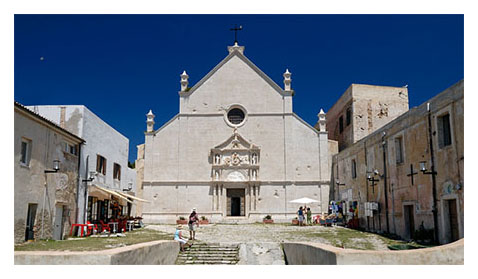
<point x="58" y="225"/>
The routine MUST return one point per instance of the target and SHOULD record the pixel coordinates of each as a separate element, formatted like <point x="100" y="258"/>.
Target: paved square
<point x="261" y="233"/>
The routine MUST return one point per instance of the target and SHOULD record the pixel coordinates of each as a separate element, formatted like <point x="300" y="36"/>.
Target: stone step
<point x="210" y="252"/>
<point x="211" y="248"/>
<point x="213" y="257"/>
<point x="208" y="262"/>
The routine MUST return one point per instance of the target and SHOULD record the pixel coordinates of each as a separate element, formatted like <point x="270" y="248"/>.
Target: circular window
<point x="236" y="116"/>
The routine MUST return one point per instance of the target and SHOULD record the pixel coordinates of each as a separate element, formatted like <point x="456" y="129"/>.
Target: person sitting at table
<point x="178" y="236"/>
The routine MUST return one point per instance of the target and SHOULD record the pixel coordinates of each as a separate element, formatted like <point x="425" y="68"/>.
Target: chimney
<point x="62" y="117"/>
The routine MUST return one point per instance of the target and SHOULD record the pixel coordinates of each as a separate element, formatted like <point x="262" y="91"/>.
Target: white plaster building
<point x="236" y="151"/>
<point x="104" y="158"/>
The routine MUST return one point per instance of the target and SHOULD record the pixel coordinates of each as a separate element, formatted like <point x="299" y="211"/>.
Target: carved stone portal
<point x="235" y="160"/>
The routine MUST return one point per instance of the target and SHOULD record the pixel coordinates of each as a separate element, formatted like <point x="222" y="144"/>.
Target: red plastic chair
<point x="91" y="227"/>
<point x="105" y="227"/>
<point x="122" y="225"/>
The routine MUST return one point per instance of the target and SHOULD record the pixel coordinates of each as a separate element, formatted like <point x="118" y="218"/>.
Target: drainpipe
<point x="77" y="215"/>
<point x="384" y="146"/>
<point x="85" y="207"/>
<point x="432" y="155"/>
<point x="366" y="181"/>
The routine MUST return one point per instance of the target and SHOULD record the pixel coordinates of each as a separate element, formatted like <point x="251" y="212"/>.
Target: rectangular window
<point x="71" y="148"/>
<point x="26" y="151"/>
<point x="348" y="116"/>
<point x="354" y="169"/>
<point x="101" y="164"/>
<point x="398" y="150"/>
<point x="341" y="124"/>
<point x="116" y="171"/>
<point x="444" y="131"/>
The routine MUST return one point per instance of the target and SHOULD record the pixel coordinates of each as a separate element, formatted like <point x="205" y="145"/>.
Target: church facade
<point x="236" y="151"/>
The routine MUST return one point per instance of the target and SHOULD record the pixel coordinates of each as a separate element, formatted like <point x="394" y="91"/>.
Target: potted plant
<point x="295" y="221"/>
<point x="203" y="221"/>
<point x="181" y="221"/>
<point x="268" y="219"/>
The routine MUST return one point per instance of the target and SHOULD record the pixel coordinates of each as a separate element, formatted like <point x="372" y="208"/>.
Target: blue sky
<point x="120" y="66"/>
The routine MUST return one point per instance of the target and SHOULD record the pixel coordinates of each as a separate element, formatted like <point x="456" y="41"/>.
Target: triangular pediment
<point x="248" y="62"/>
<point x="235" y="142"/>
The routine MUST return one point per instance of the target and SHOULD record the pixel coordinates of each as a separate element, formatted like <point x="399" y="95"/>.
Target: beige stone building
<point x="46" y="180"/>
<point x="236" y="151"/>
<point x="381" y="173"/>
<point x="362" y="109"/>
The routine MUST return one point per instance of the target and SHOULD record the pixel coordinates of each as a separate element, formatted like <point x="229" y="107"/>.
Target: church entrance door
<point x="235" y="206"/>
<point x="236" y="202"/>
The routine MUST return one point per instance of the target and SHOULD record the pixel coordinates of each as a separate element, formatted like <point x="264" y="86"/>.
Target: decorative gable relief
<point x="235" y="160"/>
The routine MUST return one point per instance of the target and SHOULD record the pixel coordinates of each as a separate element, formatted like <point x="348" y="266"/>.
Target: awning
<point x="133" y="197"/>
<point x="110" y="192"/>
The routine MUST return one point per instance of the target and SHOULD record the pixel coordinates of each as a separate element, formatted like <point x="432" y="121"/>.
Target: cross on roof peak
<point x="235" y="29"/>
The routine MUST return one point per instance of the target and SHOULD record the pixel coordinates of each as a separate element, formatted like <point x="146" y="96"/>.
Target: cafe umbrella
<point x="303" y="201"/>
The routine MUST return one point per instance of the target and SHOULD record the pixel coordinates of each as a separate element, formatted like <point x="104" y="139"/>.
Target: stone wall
<point x="45" y="190"/>
<point x="139" y="167"/>
<point x="371" y="107"/>
<point x="161" y="252"/>
<point x="412" y="129"/>
<point x="303" y="253"/>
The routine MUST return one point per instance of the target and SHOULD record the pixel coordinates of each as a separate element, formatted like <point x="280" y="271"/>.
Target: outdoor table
<point x="130" y="224"/>
<point x="80" y="227"/>
<point x="115" y="226"/>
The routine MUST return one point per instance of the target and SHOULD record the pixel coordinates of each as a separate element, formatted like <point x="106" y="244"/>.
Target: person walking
<point x="193" y="220"/>
<point x="301" y="216"/>
<point x="309" y="216"/>
<point x="178" y="236"/>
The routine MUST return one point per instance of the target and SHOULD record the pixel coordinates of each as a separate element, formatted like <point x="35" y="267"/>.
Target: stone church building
<point x="236" y="151"/>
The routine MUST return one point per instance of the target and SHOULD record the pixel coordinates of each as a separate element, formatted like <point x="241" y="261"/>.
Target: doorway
<point x="409" y="220"/>
<point x="235" y="206"/>
<point x="453" y="219"/>
<point x="31" y="214"/>
<point x="58" y="225"/>
<point x="236" y="202"/>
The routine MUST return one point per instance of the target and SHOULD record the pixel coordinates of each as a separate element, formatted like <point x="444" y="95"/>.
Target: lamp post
<point x="56" y="167"/>
<point x="130" y="186"/>
<point x="91" y="177"/>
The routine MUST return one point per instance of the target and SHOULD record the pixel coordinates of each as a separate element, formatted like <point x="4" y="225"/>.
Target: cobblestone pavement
<point x="276" y="233"/>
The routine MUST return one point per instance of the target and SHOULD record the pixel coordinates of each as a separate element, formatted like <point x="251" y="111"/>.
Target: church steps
<point x="204" y="253"/>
